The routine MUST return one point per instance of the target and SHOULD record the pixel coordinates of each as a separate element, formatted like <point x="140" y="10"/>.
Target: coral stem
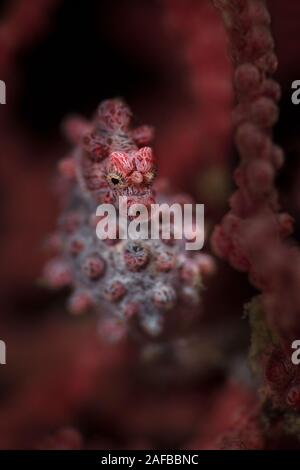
<point x="251" y="236"/>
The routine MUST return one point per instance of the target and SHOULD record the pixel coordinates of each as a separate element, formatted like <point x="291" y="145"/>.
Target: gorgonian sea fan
<point x="127" y="281"/>
<point x="251" y="236"/>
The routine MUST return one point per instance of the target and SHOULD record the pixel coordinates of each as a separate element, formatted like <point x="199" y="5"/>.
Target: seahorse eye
<point x="115" y="180"/>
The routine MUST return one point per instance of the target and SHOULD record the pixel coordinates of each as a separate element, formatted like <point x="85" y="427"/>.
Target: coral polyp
<point x="128" y="282"/>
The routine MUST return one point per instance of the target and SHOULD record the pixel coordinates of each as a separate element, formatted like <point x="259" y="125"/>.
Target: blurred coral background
<point x="63" y="386"/>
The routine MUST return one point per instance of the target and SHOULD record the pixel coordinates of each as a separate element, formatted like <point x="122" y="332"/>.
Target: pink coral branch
<point x="251" y="235"/>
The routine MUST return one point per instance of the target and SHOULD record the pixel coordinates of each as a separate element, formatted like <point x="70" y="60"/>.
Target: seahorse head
<point x="113" y="159"/>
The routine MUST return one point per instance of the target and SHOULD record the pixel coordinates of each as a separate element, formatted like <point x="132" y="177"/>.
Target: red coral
<point x="254" y="243"/>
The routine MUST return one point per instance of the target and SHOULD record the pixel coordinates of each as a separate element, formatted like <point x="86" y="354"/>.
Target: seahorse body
<point x="131" y="283"/>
